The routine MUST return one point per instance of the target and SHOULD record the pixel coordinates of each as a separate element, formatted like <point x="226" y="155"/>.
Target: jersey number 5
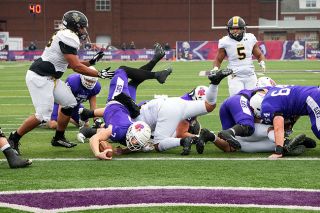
<point x="241" y="53"/>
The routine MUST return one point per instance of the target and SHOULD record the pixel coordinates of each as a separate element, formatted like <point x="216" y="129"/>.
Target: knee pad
<point x="243" y="130"/>
<point x="67" y="111"/>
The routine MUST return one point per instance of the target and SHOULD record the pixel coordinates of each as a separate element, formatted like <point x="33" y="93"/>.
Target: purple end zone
<point x="54" y="200"/>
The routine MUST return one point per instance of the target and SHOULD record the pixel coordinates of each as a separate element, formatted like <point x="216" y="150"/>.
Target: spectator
<point x="123" y="46"/>
<point x="167" y="47"/>
<point x="132" y="45"/>
<point x="32" y="46"/>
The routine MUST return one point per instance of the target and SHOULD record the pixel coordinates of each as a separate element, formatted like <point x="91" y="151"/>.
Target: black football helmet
<point x="236" y="22"/>
<point x="75" y="21"/>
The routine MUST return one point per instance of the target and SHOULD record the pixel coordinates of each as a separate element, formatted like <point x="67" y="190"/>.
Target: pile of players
<point x="257" y="117"/>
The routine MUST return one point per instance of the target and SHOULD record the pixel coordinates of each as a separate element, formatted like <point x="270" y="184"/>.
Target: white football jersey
<point x="239" y="54"/>
<point x="52" y="53"/>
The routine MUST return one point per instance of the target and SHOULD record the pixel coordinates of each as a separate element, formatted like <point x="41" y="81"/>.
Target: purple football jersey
<point x="236" y="110"/>
<point x="80" y="92"/>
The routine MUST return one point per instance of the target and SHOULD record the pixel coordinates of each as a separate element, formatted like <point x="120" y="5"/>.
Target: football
<point x="104" y="145"/>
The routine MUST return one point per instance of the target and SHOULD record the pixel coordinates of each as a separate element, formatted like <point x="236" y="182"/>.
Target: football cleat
<point x="309" y="143"/>
<point x="216" y="76"/>
<point x="295" y="151"/>
<point x="291" y="144"/>
<point x="14" y="144"/>
<point x="229" y="136"/>
<point x="161" y="76"/>
<point x="62" y="142"/>
<point x="207" y="135"/>
<point x="85" y="114"/>
<point x="14" y="160"/>
<point x="159" y="52"/>
<point x="194" y="127"/>
<point x="186" y="144"/>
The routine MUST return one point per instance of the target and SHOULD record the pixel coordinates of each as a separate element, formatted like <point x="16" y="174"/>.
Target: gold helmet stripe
<point x="235" y="21"/>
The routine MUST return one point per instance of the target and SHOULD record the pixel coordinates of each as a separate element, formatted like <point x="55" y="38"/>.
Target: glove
<point x="96" y="58"/>
<point x="97" y="123"/>
<point x="263" y="66"/>
<point x="105" y="73"/>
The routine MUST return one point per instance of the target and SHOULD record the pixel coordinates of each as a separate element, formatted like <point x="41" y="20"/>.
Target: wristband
<point x="278" y="150"/>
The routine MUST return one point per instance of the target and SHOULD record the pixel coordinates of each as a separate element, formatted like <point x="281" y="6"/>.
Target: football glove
<point x="106" y="73"/>
<point x="97" y="123"/>
<point x="96" y="58"/>
<point x="263" y="66"/>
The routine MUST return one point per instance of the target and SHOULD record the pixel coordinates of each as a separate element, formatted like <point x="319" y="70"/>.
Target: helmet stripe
<point x="236" y="21"/>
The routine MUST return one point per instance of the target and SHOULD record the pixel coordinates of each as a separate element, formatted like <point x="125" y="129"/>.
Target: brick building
<point x="147" y="21"/>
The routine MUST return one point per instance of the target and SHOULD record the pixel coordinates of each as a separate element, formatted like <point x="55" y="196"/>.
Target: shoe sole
<point x="200" y="146"/>
<point x="295" y="142"/>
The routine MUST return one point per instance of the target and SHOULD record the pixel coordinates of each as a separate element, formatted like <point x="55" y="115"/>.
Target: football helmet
<point x="256" y="102"/>
<point x="265" y="82"/>
<point x="88" y="81"/>
<point x="199" y="93"/>
<point x="138" y="135"/>
<point x="76" y="22"/>
<point x="236" y="27"/>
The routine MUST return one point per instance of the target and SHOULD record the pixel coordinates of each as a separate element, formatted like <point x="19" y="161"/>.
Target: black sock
<point x="149" y="66"/>
<point x="15" y="136"/>
<point x="88" y="132"/>
<point x="59" y="134"/>
<point x="138" y="75"/>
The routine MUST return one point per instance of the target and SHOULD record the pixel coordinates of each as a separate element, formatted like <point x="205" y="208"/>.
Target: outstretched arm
<point x="278" y="124"/>
<point x="101" y="135"/>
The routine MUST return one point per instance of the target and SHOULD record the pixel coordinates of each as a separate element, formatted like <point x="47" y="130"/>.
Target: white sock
<point x="5" y="147"/>
<point x="212" y="93"/>
<point x="271" y="136"/>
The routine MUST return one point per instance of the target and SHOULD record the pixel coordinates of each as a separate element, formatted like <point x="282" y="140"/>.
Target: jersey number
<point x="241" y="53"/>
<point x="284" y="91"/>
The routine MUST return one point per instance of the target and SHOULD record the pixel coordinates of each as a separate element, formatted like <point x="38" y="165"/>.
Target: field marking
<point x="91" y="207"/>
<point x="159" y="187"/>
<point x="177" y="159"/>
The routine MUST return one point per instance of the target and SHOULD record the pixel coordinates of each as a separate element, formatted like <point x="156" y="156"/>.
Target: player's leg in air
<point x="137" y="76"/>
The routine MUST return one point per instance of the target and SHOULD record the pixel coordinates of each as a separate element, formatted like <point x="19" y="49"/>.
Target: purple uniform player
<point x="83" y="88"/>
<point x="280" y="104"/>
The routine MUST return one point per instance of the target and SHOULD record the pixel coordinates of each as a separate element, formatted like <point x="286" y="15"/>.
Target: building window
<point x="311" y="3"/>
<point x="310" y="18"/>
<point x="57" y="24"/>
<point x="103" y="5"/>
<point x="289" y="18"/>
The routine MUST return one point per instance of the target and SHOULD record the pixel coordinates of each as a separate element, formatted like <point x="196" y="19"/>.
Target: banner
<point x="274" y="50"/>
<point x="313" y="51"/>
<point x="4" y="37"/>
<point x="130" y="55"/>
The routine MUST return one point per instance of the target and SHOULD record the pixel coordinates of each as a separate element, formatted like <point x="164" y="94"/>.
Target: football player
<point x="121" y="108"/>
<point x="281" y="104"/>
<point x="83" y="88"/>
<point x="43" y="78"/>
<point x="239" y="47"/>
<point x="13" y="159"/>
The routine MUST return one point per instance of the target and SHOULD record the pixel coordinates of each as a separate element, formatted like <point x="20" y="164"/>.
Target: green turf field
<point x="82" y="170"/>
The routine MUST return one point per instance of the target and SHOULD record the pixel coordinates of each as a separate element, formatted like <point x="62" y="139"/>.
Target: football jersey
<point x="52" y="61"/>
<point x="288" y="101"/>
<point x="80" y="92"/>
<point x="239" y="54"/>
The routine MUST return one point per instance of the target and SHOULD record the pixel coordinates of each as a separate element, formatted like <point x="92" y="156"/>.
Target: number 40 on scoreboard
<point x="35" y="8"/>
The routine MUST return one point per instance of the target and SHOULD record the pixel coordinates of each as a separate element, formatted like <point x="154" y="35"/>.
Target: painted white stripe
<point x="186" y="204"/>
<point x="21" y="207"/>
<point x="175" y="159"/>
<point x="158" y="187"/>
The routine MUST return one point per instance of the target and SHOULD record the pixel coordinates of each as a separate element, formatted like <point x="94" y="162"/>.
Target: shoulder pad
<point x="69" y="38"/>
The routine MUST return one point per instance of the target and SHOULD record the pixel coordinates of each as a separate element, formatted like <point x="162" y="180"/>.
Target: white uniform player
<point x="44" y="84"/>
<point x="239" y="47"/>
<point x="164" y="114"/>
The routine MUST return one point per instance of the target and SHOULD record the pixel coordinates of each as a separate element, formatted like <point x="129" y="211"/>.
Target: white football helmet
<point x="265" y="82"/>
<point x="199" y="93"/>
<point x="256" y="102"/>
<point x="88" y="81"/>
<point x="138" y="135"/>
